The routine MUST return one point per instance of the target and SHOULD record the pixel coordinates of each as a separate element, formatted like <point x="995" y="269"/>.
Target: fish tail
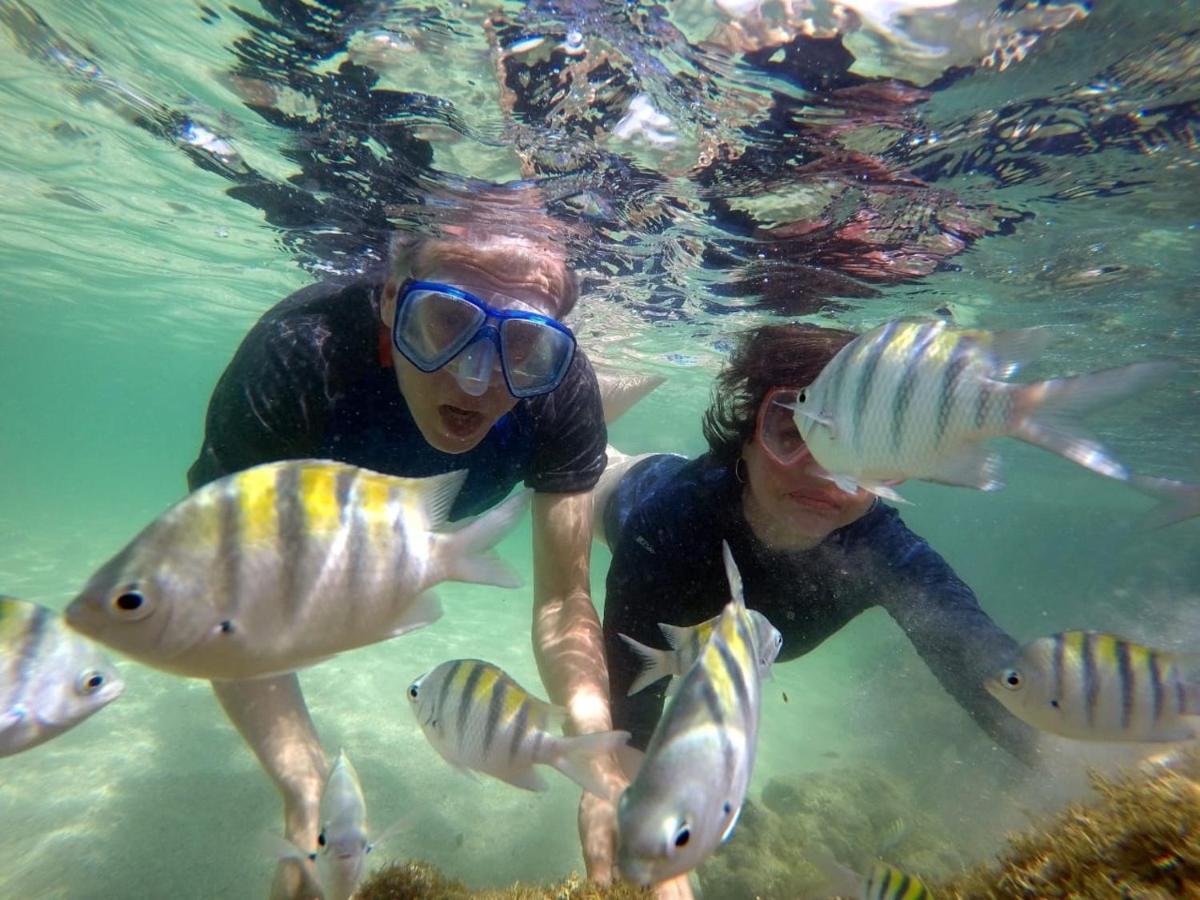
<point x="1048" y="414"/>
<point x="466" y="552"/>
<point x="656" y="664"/>
<point x="577" y="754"/>
<point x="1178" y="500"/>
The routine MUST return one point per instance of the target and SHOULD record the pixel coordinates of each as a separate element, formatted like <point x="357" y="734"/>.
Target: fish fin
<point x="631" y="759"/>
<point x="732" y="824"/>
<point x="436" y="495"/>
<point x="840" y="880"/>
<point x="847" y="484"/>
<point x="528" y="779"/>
<point x="676" y="635"/>
<point x="673" y="686"/>
<point x="733" y="575"/>
<point x="1049" y="412"/>
<point x="620" y="391"/>
<point x="656" y="664"/>
<point x="575" y="754"/>
<point x="972" y="465"/>
<point x="424" y="610"/>
<point x="1178" y="500"/>
<point x="1191" y="701"/>
<point x="465" y="552"/>
<point x="1018" y="347"/>
<point x="279" y="847"/>
<point x="392" y="830"/>
<point x="886" y="491"/>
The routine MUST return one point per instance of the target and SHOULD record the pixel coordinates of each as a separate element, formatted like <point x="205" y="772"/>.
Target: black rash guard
<point x="314" y="379"/>
<point x="669" y="516"/>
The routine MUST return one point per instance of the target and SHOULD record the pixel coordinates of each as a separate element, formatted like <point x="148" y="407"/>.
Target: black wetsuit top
<point x="314" y="379"/>
<point x="669" y="516"/>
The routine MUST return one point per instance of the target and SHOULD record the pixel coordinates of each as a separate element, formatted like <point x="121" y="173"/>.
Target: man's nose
<point x="475" y="367"/>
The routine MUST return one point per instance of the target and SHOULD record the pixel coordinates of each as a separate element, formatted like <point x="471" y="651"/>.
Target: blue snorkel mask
<point x="438" y="324"/>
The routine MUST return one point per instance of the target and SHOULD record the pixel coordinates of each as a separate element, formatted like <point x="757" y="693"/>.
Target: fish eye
<point x="1012" y="679"/>
<point x="89" y="682"/>
<point x="321" y="839"/>
<point x="130" y="604"/>
<point x="800" y="397"/>
<point x="683" y="834"/>
<point x="413" y="691"/>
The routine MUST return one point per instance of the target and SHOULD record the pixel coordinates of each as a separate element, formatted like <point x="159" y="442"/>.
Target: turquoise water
<point x="131" y="276"/>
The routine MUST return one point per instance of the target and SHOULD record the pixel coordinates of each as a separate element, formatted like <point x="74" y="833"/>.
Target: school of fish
<point x="287" y="564"/>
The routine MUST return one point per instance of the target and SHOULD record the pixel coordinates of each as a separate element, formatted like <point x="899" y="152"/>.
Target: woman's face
<point x="450" y="419"/>
<point x="791" y="508"/>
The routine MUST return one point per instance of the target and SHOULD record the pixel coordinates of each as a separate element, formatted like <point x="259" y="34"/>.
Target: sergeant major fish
<point x="687" y="642"/>
<point x="882" y="882"/>
<point x="687" y="794"/>
<point x="285" y="564"/>
<point x="478" y="718"/>
<point x="916" y="399"/>
<point x="343" y="843"/>
<point x="51" y="679"/>
<point x="1098" y="687"/>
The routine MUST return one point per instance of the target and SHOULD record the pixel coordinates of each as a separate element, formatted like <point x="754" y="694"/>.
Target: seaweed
<point x="415" y="880"/>
<point x="1139" y="839"/>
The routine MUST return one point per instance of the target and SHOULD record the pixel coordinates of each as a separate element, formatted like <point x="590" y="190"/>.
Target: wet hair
<point x="766" y="357"/>
<point x="502" y="231"/>
<point x="513" y="262"/>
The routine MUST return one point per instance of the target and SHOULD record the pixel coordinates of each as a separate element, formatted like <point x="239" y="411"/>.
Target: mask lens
<point x="536" y="355"/>
<point x="431" y="327"/>
<point x="777" y="431"/>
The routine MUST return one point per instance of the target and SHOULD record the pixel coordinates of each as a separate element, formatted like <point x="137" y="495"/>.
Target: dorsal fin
<point x="734" y="576"/>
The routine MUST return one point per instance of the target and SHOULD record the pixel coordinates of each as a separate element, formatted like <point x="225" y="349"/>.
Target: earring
<point x="739" y="470"/>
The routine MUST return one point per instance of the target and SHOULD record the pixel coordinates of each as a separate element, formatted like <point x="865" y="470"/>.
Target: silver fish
<point x="1098" y="687"/>
<point x="687" y="642"/>
<point x="479" y="719"/>
<point x="286" y="564"/>
<point x="51" y="679"/>
<point x="342" y="857"/>
<point x="916" y="399"/>
<point x="687" y="794"/>
<point x="1178" y="501"/>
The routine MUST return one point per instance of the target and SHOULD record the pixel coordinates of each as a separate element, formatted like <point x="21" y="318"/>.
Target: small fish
<point x="1098" y="687"/>
<point x="343" y="844"/>
<point x="51" y="679"/>
<point x="687" y="642"/>
<point x="785" y="696"/>
<point x="342" y="858"/>
<point x="479" y="719"/>
<point x="883" y="882"/>
<point x="916" y="399"/>
<point x="688" y="792"/>
<point x="285" y="564"/>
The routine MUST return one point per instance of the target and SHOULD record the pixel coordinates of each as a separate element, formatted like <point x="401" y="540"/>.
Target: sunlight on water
<point x="171" y="170"/>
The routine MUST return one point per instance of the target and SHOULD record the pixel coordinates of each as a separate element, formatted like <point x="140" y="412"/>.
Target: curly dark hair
<point x="765" y="357"/>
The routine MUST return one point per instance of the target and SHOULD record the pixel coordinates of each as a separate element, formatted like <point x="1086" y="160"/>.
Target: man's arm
<point x="568" y="645"/>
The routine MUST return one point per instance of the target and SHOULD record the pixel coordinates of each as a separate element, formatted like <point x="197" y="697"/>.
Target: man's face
<point x="450" y="419"/>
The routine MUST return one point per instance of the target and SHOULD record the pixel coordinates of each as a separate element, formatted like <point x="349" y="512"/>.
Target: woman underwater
<point x="812" y="557"/>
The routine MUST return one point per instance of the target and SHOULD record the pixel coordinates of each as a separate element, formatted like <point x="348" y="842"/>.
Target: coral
<point x="856" y="814"/>
<point x="1139" y="839"/>
<point x="420" y="881"/>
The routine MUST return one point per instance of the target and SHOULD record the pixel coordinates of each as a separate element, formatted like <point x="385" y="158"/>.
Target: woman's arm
<point x="958" y="641"/>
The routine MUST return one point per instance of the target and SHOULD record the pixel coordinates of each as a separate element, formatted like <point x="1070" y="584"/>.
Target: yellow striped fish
<point x="50" y="678"/>
<point x="916" y="398"/>
<point x="687" y="642"/>
<point x="479" y="719"/>
<point x="286" y="564"/>
<point x="889" y="883"/>
<point x="1098" y="687"/>
<point x="686" y="797"/>
<point x="883" y="882"/>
